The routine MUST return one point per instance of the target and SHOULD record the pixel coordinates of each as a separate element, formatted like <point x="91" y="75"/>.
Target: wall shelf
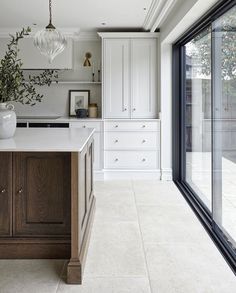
<point x="76" y="82"/>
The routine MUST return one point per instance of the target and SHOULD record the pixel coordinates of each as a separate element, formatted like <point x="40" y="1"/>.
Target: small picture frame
<point x="78" y="99"/>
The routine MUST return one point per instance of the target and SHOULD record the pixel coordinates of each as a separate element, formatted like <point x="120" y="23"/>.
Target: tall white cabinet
<point x="130" y="102"/>
<point x="130" y="76"/>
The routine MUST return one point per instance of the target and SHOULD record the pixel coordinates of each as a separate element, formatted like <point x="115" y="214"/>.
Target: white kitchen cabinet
<point x="129" y="76"/>
<point x="116" y="68"/>
<point x="143" y="78"/>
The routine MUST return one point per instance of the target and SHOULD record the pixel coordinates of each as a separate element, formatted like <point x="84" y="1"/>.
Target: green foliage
<point x="13" y="84"/>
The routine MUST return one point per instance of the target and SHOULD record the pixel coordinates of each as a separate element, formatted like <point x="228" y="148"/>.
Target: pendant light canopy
<point x="50" y="41"/>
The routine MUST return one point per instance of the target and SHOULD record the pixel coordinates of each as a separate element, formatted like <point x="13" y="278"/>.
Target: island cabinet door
<point x="41" y="196"/>
<point x="5" y="194"/>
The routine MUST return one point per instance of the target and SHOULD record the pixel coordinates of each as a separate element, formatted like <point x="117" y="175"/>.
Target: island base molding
<point x="35" y="249"/>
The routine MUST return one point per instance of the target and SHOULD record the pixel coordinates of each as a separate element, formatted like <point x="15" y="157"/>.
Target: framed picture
<point x="79" y="99"/>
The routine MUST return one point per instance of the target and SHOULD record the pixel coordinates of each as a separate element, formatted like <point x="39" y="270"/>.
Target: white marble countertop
<point x="47" y="140"/>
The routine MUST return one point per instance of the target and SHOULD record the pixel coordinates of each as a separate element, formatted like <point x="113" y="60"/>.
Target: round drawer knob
<point x="125" y="109"/>
<point x="84" y="126"/>
<point x="144" y="140"/>
<point x="116" y="140"/>
<point x="144" y="126"/>
<point x="3" y="190"/>
<point x="144" y="160"/>
<point x="116" y="160"/>
<point x="116" y="126"/>
<point x="134" y="109"/>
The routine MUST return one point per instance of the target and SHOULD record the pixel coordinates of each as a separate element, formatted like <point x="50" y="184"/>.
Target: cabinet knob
<point x="20" y="190"/>
<point x="84" y="126"/>
<point x="144" y="140"/>
<point x="116" y="126"/>
<point x="116" y="160"/>
<point x="144" y="160"/>
<point x="125" y="109"/>
<point x="144" y="126"/>
<point x="116" y="140"/>
<point x="3" y="190"/>
<point x="134" y="109"/>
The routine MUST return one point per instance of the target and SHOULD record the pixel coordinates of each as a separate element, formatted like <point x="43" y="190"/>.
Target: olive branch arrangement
<point x="13" y="84"/>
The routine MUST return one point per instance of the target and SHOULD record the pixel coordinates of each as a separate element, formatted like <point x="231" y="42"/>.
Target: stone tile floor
<point x="145" y="239"/>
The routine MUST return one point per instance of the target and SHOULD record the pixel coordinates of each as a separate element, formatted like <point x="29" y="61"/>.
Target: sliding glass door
<point x="224" y="123"/>
<point x="204" y="115"/>
<point x="197" y="97"/>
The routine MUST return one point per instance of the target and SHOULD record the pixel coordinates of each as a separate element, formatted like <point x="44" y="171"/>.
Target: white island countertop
<point x="47" y="140"/>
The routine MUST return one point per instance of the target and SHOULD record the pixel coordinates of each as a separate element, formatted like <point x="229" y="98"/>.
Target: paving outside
<point x="145" y="239"/>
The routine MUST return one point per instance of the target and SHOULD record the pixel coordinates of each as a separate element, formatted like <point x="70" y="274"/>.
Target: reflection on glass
<point x="198" y="115"/>
<point x="224" y="125"/>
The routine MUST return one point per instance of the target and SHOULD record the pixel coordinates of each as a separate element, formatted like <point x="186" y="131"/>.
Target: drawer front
<point x="86" y="124"/>
<point x="132" y="126"/>
<point x="131" y="140"/>
<point x="131" y="160"/>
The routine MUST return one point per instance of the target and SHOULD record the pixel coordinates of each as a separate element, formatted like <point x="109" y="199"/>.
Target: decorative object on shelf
<point x="81" y="113"/>
<point x="93" y="110"/>
<point x="50" y="41"/>
<point x="87" y="62"/>
<point x="13" y="84"/>
<point x="93" y="74"/>
<point x="7" y="121"/>
<point x="78" y="99"/>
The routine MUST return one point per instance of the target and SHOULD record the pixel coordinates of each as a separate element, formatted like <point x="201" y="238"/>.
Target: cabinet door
<point x="143" y="78"/>
<point x="116" y="78"/>
<point x="41" y="195"/>
<point x="5" y="193"/>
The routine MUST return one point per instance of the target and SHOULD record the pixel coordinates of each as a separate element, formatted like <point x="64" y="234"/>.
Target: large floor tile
<point x="108" y="285"/>
<point x="26" y="276"/>
<point x="116" y="212"/>
<point x="115" y="196"/>
<point x="169" y="224"/>
<point x="116" y="251"/>
<point x="181" y="268"/>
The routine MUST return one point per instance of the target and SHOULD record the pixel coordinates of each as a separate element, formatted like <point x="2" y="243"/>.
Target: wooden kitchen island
<point x="46" y="196"/>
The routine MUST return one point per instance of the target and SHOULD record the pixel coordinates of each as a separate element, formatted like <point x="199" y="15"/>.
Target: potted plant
<point x="14" y="87"/>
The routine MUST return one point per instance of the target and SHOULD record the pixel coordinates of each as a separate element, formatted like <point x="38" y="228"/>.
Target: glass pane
<point x="224" y="125"/>
<point x="198" y="115"/>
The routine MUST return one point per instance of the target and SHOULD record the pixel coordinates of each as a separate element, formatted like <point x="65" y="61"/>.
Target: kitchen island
<point x="46" y="196"/>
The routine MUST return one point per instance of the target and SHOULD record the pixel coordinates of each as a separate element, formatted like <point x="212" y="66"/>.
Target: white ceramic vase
<point x="7" y="121"/>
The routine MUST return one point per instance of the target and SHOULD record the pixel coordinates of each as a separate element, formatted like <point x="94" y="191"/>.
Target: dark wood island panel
<point x="47" y="206"/>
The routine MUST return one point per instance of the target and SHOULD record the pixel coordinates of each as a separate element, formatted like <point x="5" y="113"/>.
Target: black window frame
<point x="178" y="131"/>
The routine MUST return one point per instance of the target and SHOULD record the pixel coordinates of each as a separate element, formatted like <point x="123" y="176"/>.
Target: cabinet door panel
<point x="143" y="78"/>
<point x="42" y="194"/>
<point x="116" y="78"/>
<point x="5" y="193"/>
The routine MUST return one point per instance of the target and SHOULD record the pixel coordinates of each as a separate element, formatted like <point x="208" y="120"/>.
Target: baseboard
<point x="131" y="174"/>
<point x="166" y="175"/>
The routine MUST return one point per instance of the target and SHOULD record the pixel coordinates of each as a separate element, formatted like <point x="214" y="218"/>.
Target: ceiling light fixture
<point x="50" y="41"/>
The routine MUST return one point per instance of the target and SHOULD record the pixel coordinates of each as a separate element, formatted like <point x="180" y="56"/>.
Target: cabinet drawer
<point x="131" y="160"/>
<point x="86" y="124"/>
<point x="131" y="140"/>
<point x="132" y="126"/>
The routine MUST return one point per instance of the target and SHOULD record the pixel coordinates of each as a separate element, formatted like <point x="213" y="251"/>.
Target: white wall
<point x="183" y="15"/>
<point x="56" y="97"/>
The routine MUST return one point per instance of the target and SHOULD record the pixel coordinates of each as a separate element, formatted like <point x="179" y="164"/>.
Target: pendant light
<point x="50" y="41"/>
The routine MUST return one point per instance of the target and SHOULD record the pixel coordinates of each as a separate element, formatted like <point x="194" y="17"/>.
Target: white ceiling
<point x="83" y="15"/>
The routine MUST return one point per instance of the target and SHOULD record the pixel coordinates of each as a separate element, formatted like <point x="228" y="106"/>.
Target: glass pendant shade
<point x="50" y="42"/>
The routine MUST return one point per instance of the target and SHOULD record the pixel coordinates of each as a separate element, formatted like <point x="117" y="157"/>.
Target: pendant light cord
<point x="50" y="11"/>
